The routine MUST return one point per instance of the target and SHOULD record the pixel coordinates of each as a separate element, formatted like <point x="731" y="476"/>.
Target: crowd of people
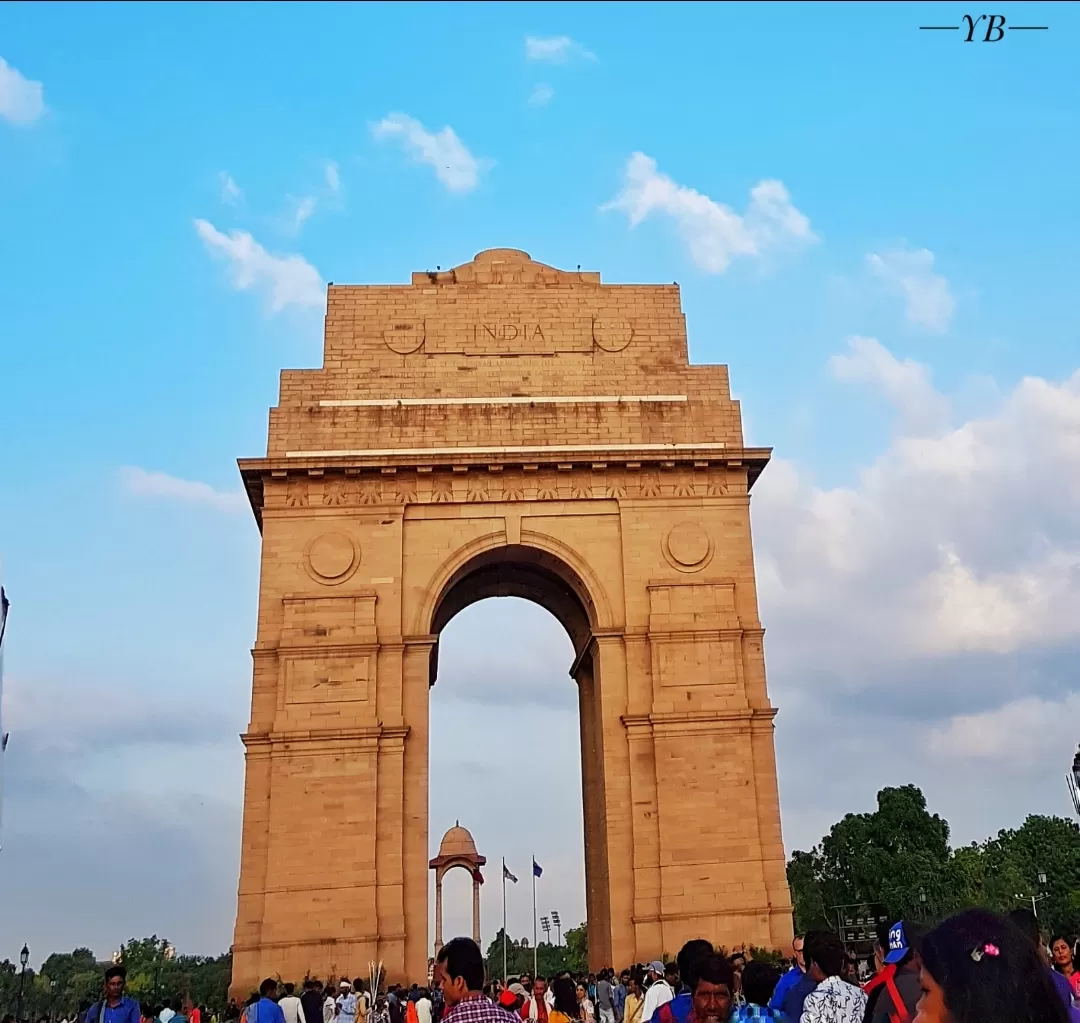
<point x="975" y="967"/>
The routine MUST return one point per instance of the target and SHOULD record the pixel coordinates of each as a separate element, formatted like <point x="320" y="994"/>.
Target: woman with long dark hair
<point x="978" y="967"/>
<point x="565" y="1007"/>
<point x="1061" y="955"/>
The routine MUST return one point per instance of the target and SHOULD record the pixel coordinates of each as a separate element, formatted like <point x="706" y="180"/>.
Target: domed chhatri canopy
<point x="457" y="849"/>
<point x="457" y="846"/>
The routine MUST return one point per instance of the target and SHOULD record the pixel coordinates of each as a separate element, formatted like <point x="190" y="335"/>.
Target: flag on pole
<point x="477" y="876"/>
<point x="507" y="875"/>
<point x="537" y="869"/>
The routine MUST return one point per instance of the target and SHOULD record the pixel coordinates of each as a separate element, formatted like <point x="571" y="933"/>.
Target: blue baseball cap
<point x="898" y="943"/>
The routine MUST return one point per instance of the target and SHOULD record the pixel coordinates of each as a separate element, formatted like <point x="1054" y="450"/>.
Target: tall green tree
<point x="550" y="959"/>
<point x="899" y="853"/>
<point x="577" y="949"/>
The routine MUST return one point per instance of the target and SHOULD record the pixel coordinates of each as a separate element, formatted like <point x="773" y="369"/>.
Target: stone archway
<point x="505" y="428"/>
<point x="533" y="573"/>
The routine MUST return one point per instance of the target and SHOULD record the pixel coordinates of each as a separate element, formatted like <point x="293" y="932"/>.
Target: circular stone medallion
<point x="688" y="547"/>
<point x="404" y="338"/>
<point x="332" y="558"/>
<point x="612" y="335"/>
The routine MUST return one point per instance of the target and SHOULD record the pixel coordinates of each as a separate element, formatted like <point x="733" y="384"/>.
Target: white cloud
<point x="909" y="273"/>
<point x="161" y="484"/>
<point x="555" y="49"/>
<point x="541" y="95"/>
<point x="289" y="280"/>
<point x="1031" y="733"/>
<point x="905" y="384"/>
<point x="954" y="540"/>
<point x="714" y="232"/>
<point x="230" y="190"/>
<point x="454" y="165"/>
<point x="333" y="178"/>
<point x="22" y="100"/>
<point x="926" y="616"/>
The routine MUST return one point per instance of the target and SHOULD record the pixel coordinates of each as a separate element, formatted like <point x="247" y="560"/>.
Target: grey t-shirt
<point x="603" y="995"/>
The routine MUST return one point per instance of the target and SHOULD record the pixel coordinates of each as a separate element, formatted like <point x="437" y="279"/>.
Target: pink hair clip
<point x="985" y="950"/>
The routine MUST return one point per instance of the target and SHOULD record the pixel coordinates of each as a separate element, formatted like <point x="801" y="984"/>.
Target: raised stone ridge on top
<point x="504" y="266"/>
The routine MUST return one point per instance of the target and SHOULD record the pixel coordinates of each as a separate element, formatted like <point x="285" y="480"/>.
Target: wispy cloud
<point x="909" y="273"/>
<point x="160" y="484"/>
<point x="289" y="280"/>
<point x="302" y="209"/>
<point x="906" y="385"/>
<point x="231" y="192"/>
<point x="450" y="158"/>
<point x="333" y="178"/>
<point x="555" y="49"/>
<point x="22" y="100"/>
<point x="714" y="233"/>
<point x="541" y="94"/>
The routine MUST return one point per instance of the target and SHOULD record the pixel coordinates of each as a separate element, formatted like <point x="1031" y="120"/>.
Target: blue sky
<point x="918" y="535"/>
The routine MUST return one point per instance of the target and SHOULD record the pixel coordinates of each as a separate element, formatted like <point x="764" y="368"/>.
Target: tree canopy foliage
<point x="900" y="852"/>
<point x="572" y="955"/>
<point x="155" y="975"/>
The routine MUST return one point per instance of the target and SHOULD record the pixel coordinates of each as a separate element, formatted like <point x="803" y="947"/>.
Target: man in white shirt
<point x="290" y="1005"/>
<point x="329" y="1006"/>
<point x="423" y="1007"/>
<point x="166" y="1014"/>
<point x="834" y="1000"/>
<point x="346" y="1003"/>
<point x="539" y="1002"/>
<point x="658" y="993"/>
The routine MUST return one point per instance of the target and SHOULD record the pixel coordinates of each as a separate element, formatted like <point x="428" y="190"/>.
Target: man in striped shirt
<point x="459" y="974"/>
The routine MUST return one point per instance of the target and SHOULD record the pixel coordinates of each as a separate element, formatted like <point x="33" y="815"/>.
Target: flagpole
<point x="534" y="916"/>
<point x="504" y="918"/>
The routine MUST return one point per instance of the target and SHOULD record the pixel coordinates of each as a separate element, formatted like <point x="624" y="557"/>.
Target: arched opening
<point x="513" y="745"/>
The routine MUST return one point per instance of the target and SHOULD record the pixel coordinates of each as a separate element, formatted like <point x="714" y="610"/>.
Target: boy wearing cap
<point x="896" y="989"/>
<point x="659" y="991"/>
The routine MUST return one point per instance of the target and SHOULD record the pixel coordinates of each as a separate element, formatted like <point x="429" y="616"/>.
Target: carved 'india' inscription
<point x="507" y="331"/>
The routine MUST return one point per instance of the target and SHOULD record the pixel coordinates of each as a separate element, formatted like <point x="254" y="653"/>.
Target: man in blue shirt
<point x="792" y="977"/>
<point x="618" y="995"/>
<point x="115" y="1007"/>
<point x="266" y="1009"/>
<point x="792" y="1005"/>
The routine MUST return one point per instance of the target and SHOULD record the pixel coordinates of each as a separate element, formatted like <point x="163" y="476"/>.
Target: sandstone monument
<point x="505" y="428"/>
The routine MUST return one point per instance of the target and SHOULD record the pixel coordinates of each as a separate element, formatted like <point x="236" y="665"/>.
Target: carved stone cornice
<point x="387" y="483"/>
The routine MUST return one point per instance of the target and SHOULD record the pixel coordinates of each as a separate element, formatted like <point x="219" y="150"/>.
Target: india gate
<point x="505" y="428"/>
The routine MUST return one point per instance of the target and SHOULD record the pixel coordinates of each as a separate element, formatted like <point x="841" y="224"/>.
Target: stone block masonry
<point x="505" y="428"/>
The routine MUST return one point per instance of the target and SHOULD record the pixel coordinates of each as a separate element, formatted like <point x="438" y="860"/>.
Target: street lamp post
<point x="1036" y="899"/>
<point x="24" y="958"/>
<point x="922" y="905"/>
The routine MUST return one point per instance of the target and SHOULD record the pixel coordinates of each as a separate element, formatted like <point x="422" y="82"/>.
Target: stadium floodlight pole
<point x="1073" y="781"/>
<point x="558" y="925"/>
<point x="504" y="919"/>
